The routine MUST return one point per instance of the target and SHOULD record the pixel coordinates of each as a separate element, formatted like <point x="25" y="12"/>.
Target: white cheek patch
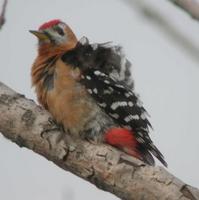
<point x="61" y="39"/>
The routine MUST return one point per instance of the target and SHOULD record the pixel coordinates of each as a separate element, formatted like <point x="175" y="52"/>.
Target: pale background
<point x="166" y="76"/>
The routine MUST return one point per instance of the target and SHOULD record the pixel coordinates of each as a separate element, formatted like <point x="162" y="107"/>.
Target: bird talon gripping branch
<point x="88" y="89"/>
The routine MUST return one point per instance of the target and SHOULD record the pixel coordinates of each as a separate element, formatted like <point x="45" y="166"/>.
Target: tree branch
<point x="30" y="126"/>
<point x="2" y="14"/>
<point x="190" y="6"/>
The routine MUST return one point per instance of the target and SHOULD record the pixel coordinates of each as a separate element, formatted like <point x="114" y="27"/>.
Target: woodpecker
<point x="88" y="89"/>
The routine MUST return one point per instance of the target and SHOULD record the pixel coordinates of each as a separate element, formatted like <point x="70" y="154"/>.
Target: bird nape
<point x="88" y="88"/>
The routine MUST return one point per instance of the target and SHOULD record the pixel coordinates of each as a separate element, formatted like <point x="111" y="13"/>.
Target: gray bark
<point x="30" y="126"/>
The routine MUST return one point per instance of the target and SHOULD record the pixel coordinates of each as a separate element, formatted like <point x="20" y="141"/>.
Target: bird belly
<point x="77" y="112"/>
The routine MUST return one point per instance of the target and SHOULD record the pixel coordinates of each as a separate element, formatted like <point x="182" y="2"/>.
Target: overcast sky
<point x="166" y="77"/>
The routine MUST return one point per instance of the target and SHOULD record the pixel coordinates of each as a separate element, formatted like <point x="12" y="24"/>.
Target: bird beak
<point x="40" y="35"/>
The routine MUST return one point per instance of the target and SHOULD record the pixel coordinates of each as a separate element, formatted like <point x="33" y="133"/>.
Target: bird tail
<point x="126" y="141"/>
<point x="155" y="151"/>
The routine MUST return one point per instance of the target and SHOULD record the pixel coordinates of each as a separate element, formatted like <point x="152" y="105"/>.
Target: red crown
<point x="49" y="24"/>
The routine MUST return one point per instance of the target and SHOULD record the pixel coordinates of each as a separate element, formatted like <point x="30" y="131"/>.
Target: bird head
<point x="55" y="33"/>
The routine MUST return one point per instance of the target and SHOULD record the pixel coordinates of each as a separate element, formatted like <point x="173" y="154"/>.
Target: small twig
<point x="189" y="6"/>
<point x="2" y="15"/>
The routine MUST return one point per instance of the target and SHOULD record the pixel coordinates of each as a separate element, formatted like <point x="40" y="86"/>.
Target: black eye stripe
<point x="59" y="30"/>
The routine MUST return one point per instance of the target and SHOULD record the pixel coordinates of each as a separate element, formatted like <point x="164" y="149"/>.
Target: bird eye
<point x="59" y="30"/>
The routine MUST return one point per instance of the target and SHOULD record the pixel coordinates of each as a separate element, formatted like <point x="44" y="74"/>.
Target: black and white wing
<point x="122" y="105"/>
<point x="109" y="58"/>
<point x="106" y="76"/>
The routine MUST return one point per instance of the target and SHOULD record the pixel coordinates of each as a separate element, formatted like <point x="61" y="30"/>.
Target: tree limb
<point x="190" y="6"/>
<point x="2" y="14"/>
<point x="30" y="126"/>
